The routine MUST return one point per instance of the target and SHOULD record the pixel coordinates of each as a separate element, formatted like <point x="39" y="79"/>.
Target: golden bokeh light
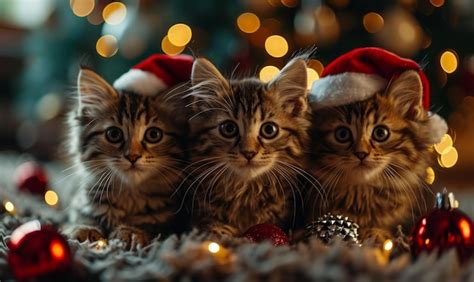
<point x="82" y="8"/>
<point x="213" y="247"/>
<point x="312" y="76"/>
<point x="180" y="34"/>
<point x="373" y="22"/>
<point x="430" y="175"/>
<point x="437" y="3"/>
<point x="267" y="73"/>
<point x="316" y="65"/>
<point x="51" y="198"/>
<point x="276" y="46"/>
<point x="388" y="245"/>
<point x="169" y="48"/>
<point x="449" y="61"/>
<point x="107" y="46"/>
<point x="114" y="13"/>
<point x="289" y="3"/>
<point x="449" y="158"/>
<point x="9" y="207"/>
<point x="444" y="145"/>
<point x="248" y="22"/>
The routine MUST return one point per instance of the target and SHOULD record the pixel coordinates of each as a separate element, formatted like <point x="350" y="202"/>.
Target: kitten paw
<point x="83" y="233"/>
<point x="131" y="236"/>
<point x="377" y="235"/>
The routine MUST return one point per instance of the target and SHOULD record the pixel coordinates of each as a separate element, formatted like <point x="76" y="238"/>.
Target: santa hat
<point x="156" y="73"/>
<point x="360" y="73"/>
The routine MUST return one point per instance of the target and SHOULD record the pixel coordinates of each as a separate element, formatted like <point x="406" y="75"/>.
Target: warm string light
<point x="114" y="13"/>
<point x="373" y="22"/>
<point x="213" y="247"/>
<point x="430" y="175"/>
<point x="276" y="46"/>
<point x="9" y="207"/>
<point x="51" y="198"/>
<point x="267" y="73"/>
<point x="100" y="244"/>
<point x="312" y="76"/>
<point x="180" y="34"/>
<point x="447" y="154"/>
<point x="248" y="22"/>
<point x="107" y="46"/>
<point x="449" y="61"/>
<point x="170" y="49"/>
<point x="82" y="8"/>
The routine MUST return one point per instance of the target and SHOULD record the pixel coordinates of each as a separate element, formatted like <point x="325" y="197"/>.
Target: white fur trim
<point x="344" y="88"/>
<point x="141" y="82"/>
<point x="438" y="127"/>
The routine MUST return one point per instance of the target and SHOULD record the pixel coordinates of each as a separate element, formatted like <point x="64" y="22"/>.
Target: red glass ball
<point x="441" y="230"/>
<point x="31" y="177"/>
<point x="266" y="232"/>
<point x="38" y="251"/>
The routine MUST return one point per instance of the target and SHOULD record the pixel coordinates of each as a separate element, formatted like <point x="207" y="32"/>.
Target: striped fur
<point x="226" y="192"/>
<point x="386" y="188"/>
<point x="115" y="198"/>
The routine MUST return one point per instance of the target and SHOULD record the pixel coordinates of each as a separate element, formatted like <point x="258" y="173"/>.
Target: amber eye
<point x="114" y="134"/>
<point x="343" y="134"/>
<point x="380" y="133"/>
<point x="228" y="129"/>
<point x="153" y="135"/>
<point x="269" y="130"/>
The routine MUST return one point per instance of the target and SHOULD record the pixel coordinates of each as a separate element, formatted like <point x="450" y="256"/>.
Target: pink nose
<point x="248" y="154"/>
<point x="133" y="158"/>
<point x="361" y="155"/>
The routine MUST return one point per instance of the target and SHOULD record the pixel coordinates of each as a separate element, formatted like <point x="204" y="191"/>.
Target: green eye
<point x="153" y="135"/>
<point x="228" y="129"/>
<point x="380" y="133"/>
<point x="114" y="134"/>
<point x="269" y="130"/>
<point x="343" y="134"/>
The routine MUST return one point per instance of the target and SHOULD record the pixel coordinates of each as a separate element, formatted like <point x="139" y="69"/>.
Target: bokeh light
<point x="316" y="65"/>
<point x="51" y="198"/>
<point x="169" y="48"/>
<point x="289" y="3"/>
<point x="444" y="145"/>
<point x="49" y="106"/>
<point x="276" y="46"/>
<point x="449" y="61"/>
<point x="57" y="250"/>
<point x="267" y="73"/>
<point x="9" y="207"/>
<point x="179" y="34"/>
<point x="213" y="247"/>
<point x="430" y="175"/>
<point x="107" y="46"/>
<point x="437" y="3"/>
<point x="312" y="76"/>
<point x="82" y="8"/>
<point x="373" y="22"/>
<point x="449" y="158"/>
<point x="248" y="22"/>
<point x="388" y="245"/>
<point x="114" y="13"/>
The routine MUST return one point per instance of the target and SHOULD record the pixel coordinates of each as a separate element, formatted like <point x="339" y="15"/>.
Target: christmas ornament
<point x="38" y="252"/>
<point x="31" y="177"/>
<point x="156" y="73"/>
<point x="362" y="72"/>
<point x="265" y="231"/>
<point x="329" y="226"/>
<point x="444" y="228"/>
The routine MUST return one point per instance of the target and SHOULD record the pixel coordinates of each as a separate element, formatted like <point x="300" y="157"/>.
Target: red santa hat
<point x="156" y="73"/>
<point x="362" y="72"/>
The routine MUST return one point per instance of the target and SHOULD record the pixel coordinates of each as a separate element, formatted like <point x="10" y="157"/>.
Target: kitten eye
<point x="114" y="134"/>
<point x="343" y="134"/>
<point x="269" y="130"/>
<point x="153" y="135"/>
<point x="228" y="129"/>
<point x="380" y="133"/>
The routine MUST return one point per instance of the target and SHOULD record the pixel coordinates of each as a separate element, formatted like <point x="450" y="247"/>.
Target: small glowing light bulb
<point x="388" y="245"/>
<point x="101" y="244"/>
<point x="213" y="247"/>
<point x="9" y="207"/>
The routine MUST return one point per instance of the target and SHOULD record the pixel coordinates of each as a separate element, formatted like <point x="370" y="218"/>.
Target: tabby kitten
<point x="127" y="150"/>
<point x="247" y="146"/>
<point x="371" y="158"/>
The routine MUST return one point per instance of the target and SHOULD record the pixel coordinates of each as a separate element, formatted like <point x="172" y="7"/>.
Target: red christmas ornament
<point x="444" y="228"/>
<point x="38" y="251"/>
<point x="32" y="178"/>
<point x="265" y="231"/>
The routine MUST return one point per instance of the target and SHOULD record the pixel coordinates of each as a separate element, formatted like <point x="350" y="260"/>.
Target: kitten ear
<point x="93" y="89"/>
<point x="291" y="86"/>
<point x="406" y="93"/>
<point x="204" y="73"/>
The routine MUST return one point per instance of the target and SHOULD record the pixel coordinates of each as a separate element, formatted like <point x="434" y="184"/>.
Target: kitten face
<point x="248" y="126"/>
<point x="129" y="136"/>
<point x="386" y="136"/>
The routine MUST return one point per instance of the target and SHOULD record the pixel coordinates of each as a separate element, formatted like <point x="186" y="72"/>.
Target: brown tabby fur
<point x="228" y="193"/>
<point x="387" y="188"/>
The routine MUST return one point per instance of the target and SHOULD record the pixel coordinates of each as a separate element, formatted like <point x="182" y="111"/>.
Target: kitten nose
<point x="133" y="158"/>
<point x="248" y="154"/>
<point x="361" y="155"/>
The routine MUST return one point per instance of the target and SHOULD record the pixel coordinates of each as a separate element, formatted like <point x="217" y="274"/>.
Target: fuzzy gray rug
<point x="185" y="258"/>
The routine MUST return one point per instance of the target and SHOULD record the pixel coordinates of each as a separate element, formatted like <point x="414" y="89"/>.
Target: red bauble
<point x="31" y="177"/>
<point x="264" y="231"/>
<point x="38" y="251"/>
<point x="444" y="228"/>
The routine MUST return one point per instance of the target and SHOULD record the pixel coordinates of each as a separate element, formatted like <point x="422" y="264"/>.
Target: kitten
<point x="127" y="150"/>
<point x="247" y="141"/>
<point x="371" y="158"/>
